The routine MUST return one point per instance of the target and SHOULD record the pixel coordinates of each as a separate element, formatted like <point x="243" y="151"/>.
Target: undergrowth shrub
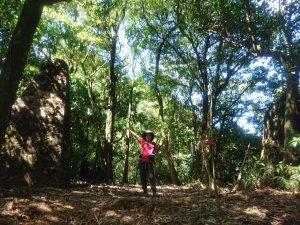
<point x="253" y="171"/>
<point x="287" y="177"/>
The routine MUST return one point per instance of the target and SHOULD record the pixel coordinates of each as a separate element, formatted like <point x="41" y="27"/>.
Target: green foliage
<point x="162" y="170"/>
<point x="85" y="131"/>
<point x="183" y="166"/>
<point x="29" y="72"/>
<point x="287" y="177"/>
<point x="207" y="54"/>
<point x="295" y="143"/>
<point x="9" y="11"/>
<point x="233" y="143"/>
<point x="253" y="171"/>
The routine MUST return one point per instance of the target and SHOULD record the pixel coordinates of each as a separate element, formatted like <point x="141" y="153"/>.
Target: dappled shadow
<point x="265" y="206"/>
<point x="114" y="204"/>
<point x="34" y="139"/>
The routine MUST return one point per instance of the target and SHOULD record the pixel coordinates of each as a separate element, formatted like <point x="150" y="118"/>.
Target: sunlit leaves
<point x="206" y="52"/>
<point x="9" y="11"/>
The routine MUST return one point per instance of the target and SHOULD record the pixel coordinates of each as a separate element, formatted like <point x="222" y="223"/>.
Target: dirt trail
<point x="105" y="204"/>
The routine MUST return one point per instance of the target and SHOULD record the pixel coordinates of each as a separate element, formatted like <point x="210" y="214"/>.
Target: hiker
<point x="146" y="159"/>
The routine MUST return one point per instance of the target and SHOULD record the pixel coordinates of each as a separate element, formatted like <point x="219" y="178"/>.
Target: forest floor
<point x="116" y="204"/>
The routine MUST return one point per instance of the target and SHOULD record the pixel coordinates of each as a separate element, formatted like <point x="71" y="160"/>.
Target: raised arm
<point x="133" y="133"/>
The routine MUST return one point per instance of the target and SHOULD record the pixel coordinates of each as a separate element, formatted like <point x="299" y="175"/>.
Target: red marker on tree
<point x="209" y="142"/>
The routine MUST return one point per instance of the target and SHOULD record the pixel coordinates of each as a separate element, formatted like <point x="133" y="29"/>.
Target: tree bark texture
<point x="172" y="169"/>
<point x="66" y="144"/>
<point x="250" y="26"/>
<point x="273" y="132"/>
<point x="292" y="119"/>
<point x="289" y="59"/>
<point x="126" y="166"/>
<point x="110" y="114"/>
<point x="16" y="58"/>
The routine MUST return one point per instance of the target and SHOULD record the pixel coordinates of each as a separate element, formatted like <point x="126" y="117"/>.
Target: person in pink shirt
<point x="146" y="159"/>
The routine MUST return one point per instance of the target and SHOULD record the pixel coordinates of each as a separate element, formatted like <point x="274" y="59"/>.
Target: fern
<point x="288" y="177"/>
<point x="295" y="143"/>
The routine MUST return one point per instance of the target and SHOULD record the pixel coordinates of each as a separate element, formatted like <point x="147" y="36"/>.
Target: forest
<point x="216" y="81"/>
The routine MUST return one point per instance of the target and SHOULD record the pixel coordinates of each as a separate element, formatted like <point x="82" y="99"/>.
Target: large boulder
<point x="36" y="147"/>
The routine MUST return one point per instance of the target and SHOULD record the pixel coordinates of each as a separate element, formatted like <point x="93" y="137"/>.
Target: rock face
<point x="36" y="146"/>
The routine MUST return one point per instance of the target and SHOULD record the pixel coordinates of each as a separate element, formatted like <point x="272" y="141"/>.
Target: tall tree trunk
<point x="113" y="32"/>
<point x="250" y="26"/>
<point x="125" y="172"/>
<point x="108" y="149"/>
<point x="289" y="58"/>
<point x="172" y="169"/>
<point x="66" y="147"/>
<point x="198" y="153"/>
<point x="159" y="98"/>
<point x="209" y="149"/>
<point x="292" y="120"/>
<point x="291" y="63"/>
<point x="16" y="57"/>
<point x="110" y="113"/>
<point x="126" y="163"/>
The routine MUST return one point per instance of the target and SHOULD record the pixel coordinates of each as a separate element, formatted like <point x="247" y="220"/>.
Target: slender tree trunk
<point x="126" y="166"/>
<point x="66" y="149"/>
<point x="172" y="169"/>
<point x="198" y="155"/>
<point x="108" y="149"/>
<point x="250" y="26"/>
<point x="125" y="172"/>
<point x="209" y="126"/>
<point x="239" y="177"/>
<point x="159" y="98"/>
<point x="113" y="31"/>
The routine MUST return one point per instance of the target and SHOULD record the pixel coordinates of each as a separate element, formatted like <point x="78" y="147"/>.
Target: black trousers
<point x="147" y="172"/>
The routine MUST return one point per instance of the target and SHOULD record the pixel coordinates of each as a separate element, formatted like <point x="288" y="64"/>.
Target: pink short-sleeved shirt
<point x="147" y="147"/>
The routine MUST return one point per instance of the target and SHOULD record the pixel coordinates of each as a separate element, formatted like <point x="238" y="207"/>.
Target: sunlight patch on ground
<point x="40" y="207"/>
<point x="116" y="204"/>
<point x="53" y="219"/>
<point x="62" y="207"/>
<point x="79" y="192"/>
<point x="111" y="213"/>
<point x="255" y="211"/>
